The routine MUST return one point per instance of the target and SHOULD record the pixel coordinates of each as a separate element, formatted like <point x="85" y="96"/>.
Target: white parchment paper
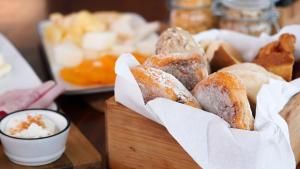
<point x="208" y="138"/>
<point x="249" y="45"/>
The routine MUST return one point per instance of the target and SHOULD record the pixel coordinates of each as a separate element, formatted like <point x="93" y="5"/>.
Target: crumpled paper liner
<point x="249" y="45"/>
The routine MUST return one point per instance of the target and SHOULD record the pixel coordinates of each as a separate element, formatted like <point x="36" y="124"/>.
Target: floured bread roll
<point x="253" y="77"/>
<point x="188" y="68"/>
<point x="179" y="54"/>
<point x="221" y="54"/>
<point x="157" y="83"/>
<point x="223" y="94"/>
<point x="177" y="40"/>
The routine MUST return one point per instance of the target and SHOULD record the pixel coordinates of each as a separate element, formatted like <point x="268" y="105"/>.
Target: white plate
<point x="55" y="68"/>
<point x="22" y="75"/>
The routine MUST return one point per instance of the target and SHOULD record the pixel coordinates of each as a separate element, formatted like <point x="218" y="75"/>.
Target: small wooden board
<point x="79" y="154"/>
<point x="136" y="142"/>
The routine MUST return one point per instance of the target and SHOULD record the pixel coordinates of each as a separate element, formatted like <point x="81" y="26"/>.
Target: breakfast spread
<point x="205" y="86"/>
<point x="86" y="45"/>
<point x="180" y="71"/>
<point x="5" y="68"/>
<point x="30" y="126"/>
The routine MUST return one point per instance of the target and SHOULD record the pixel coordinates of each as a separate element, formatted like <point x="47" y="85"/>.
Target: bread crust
<point x="278" y="56"/>
<point x="252" y="76"/>
<point x="188" y="68"/>
<point x="157" y="83"/>
<point x="221" y="54"/>
<point x="223" y="94"/>
<point x="177" y="40"/>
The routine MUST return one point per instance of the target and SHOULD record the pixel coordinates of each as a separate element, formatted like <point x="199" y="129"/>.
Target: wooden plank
<point x="136" y="142"/>
<point x="79" y="154"/>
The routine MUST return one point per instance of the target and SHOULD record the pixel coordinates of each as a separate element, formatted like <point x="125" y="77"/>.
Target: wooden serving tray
<point x="136" y="142"/>
<point x="79" y="154"/>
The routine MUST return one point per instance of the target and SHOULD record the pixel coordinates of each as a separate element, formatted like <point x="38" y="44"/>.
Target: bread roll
<point x="157" y="83"/>
<point x="188" y="68"/>
<point x="180" y="55"/>
<point x="278" y="56"/>
<point x="223" y="94"/>
<point x="177" y="40"/>
<point x="252" y="77"/>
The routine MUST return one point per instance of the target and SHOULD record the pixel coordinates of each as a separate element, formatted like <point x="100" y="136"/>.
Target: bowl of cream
<point x="34" y="137"/>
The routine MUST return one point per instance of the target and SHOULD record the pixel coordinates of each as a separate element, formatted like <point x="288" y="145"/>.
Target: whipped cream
<point x="4" y="67"/>
<point x="30" y="126"/>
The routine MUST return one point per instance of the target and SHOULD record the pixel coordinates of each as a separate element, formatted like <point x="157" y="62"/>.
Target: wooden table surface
<point x="79" y="154"/>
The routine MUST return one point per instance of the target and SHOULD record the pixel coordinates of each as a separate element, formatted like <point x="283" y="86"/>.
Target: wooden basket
<point x="136" y="142"/>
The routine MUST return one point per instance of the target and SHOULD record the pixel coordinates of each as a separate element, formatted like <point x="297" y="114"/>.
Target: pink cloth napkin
<point x="39" y="97"/>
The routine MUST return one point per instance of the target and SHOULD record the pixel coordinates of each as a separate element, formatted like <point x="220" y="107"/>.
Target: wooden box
<point x="136" y="142"/>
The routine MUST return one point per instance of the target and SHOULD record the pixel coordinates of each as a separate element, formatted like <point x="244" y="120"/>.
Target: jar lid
<point x="248" y="4"/>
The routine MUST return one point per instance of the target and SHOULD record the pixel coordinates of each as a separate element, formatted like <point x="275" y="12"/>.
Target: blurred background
<point x="19" y="18"/>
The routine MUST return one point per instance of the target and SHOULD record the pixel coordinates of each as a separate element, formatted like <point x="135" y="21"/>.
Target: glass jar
<point x="192" y="15"/>
<point x="252" y="17"/>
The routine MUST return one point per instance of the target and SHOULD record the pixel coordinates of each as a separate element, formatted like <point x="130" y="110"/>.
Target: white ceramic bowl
<point x="36" y="151"/>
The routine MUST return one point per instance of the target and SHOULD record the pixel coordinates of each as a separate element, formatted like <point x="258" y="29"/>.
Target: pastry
<point x="252" y="76"/>
<point x="188" y="68"/>
<point x="221" y="54"/>
<point x="157" y="83"/>
<point x="177" y="40"/>
<point x="223" y="94"/>
<point x="179" y="54"/>
<point x="278" y="57"/>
